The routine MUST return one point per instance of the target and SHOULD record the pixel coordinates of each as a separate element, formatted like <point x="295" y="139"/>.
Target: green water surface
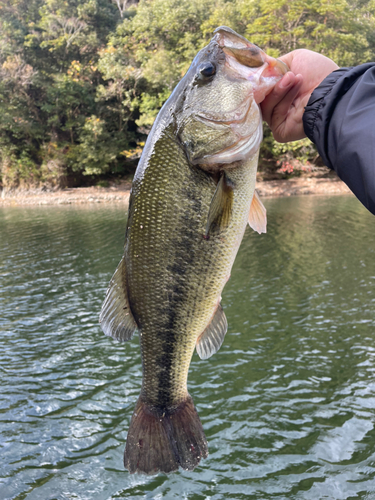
<point x="287" y="403"/>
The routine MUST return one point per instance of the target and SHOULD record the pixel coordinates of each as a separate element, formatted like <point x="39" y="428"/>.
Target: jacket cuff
<point x="322" y="103"/>
<point x="316" y="104"/>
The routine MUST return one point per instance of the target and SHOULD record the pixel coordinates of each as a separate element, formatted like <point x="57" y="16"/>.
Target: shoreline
<point x="296" y="186"/>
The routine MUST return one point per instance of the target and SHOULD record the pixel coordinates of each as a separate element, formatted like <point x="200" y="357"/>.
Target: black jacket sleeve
<point x="340" y="119"/>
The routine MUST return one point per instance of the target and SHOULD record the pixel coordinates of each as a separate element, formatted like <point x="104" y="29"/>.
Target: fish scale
<point x="191" y="270"/>
<point x="189" y="207"/>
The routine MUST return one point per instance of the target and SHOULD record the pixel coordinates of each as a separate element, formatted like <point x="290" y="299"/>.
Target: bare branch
<point x="122" y="5"/>
<point x="70" y="27"/>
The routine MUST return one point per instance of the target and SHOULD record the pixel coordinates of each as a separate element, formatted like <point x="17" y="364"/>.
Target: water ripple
<point x="287" y="403"/>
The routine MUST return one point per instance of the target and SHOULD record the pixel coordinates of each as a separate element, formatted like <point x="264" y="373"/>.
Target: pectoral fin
<point x="258" y="215"/>
<point x="220" y="212"/>
<point x="212" y="337"/>
<point x="116" y="319"/>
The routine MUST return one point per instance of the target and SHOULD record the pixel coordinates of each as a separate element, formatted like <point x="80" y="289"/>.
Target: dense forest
<point x="81" y="81"/>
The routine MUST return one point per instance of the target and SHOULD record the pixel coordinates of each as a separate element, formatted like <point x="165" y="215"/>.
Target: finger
<point x="290" y="130"/>
<point x="280" y="111"/>
<point x="288" y="126"/>
<point x="276" y="95"/>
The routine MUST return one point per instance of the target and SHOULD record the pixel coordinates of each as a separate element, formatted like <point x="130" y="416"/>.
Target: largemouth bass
<point x="190" y="202"/>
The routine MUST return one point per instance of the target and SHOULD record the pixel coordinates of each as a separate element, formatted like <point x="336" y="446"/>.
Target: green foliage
<point x="81" y="81"/>
<point x="49" y="83"/>
<point x="335" y="28"/>
<point x="94" y="153"/>
<point x="18" y="171"/>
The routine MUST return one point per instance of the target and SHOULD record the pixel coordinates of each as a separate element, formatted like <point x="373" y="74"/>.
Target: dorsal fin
<point x="258" y="215"/>
<point x="116" y="319"/>
<point x="212" y="337"/>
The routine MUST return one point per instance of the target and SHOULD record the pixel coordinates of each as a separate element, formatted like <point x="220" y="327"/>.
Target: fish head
<point x="217" y="116"/>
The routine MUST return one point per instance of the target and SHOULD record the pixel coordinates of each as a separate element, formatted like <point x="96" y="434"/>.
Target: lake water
<point x="287" y="404"/>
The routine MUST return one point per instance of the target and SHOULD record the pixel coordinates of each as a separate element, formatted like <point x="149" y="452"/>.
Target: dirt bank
<point x="120" y="193"/>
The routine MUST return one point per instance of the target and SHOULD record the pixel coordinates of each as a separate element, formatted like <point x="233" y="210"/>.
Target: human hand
<point x="284" y="106"/>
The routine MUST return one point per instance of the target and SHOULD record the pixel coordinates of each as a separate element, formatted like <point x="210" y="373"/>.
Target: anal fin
<point x="116" y="319"/>
<point x="212" y="337"/>
<point x="258" y="215"/>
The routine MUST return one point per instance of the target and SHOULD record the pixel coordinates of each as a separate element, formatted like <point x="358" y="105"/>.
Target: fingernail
<point x="286" y="81"/>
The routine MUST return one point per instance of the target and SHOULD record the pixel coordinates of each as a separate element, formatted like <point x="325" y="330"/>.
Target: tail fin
<point x="164" y="440"/>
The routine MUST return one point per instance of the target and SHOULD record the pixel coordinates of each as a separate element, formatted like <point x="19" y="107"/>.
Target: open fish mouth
<point x="236" y="75"/>
<point x="246" y="60"/>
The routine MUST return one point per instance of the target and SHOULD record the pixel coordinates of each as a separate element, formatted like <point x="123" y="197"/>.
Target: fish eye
<point x="206" y="70"/>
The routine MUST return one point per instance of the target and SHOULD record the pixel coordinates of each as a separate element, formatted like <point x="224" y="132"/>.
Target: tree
<point x="48" y="56"/>
<point x="81" y="81"/>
